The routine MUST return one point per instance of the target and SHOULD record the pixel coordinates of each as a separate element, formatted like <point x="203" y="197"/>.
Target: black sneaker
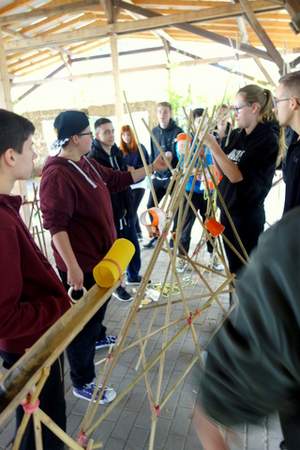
<point x="282" y="446"/>
<point x="122" y="295"/>
<point x="151" y="243"/>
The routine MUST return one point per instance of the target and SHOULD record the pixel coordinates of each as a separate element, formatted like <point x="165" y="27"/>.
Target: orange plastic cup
<point x="214" y="227"/>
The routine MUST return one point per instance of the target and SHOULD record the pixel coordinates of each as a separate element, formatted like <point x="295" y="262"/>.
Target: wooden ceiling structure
<point x="36" y="34"/>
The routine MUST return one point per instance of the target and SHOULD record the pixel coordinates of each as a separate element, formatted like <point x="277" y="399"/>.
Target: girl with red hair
<point x="132" y="158"/>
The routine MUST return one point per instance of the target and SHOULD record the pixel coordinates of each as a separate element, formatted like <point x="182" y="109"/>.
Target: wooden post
<point x="5" y="97"/>
<point x="111" y="11"/>
<point x="168" y="65"/>
<point x="6" y="103"/>
<point x="293" y="8"/>
<point x="119" y="110"/>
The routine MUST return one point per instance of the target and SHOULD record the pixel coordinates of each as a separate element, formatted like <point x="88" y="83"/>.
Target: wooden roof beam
<point x="14" y="5"/>
<point x="263" y="36"/>
<point x="202" y="32"/>
<point x="142" y="69"/>
<point x="241" y="22"/>
<point x="37" y="13"/>
<point x="111" y="10"/>
<point x="181" y="20"/>
<point x="293" y="8"/>
<point x="80" y="49"/>
<point x="47" y="61"/>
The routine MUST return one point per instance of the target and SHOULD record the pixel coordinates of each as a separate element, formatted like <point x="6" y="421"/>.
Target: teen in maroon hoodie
<point x="76" y="207"/>
<point x="31" y="295"/>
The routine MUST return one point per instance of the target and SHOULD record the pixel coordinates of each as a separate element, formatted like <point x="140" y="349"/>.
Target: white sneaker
<point x="215" y="264"/>
<point x="180" y="265"/>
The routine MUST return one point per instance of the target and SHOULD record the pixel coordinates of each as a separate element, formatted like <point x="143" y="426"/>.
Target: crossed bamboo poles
<point x="35" y="374"/>
<point x="156" y="400"/>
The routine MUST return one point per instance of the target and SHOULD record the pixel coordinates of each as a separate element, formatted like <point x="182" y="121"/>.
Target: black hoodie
<point x="121" y="201"/>
<point x="166" y="139"/>
<point x="255" y="155"/>
<point x="291" y="174"/>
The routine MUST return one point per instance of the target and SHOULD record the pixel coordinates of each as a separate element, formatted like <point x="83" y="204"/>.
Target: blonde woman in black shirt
<point x="248" y="164"/>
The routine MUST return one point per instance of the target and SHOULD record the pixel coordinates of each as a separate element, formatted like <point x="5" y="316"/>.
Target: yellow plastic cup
<point x="108" y="271"/>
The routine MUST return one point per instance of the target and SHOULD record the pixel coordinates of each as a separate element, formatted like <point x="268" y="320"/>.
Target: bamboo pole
<point x="24" y="374"/>
<point x="137" y="379"/>
<point x="37" y="432"/>
<point x="148" y="174"/>
<point x="63" y="436"/>
<point x="154" y="315"/>
<point x="176" y="202"/>
<point x="44" y="373"/>
<point x="178" y="382"/>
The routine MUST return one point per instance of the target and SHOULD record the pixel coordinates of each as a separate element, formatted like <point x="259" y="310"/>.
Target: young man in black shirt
<point x="165" y="133"/>
<point x="106" y="152"/>
<point x="287" y="107"/>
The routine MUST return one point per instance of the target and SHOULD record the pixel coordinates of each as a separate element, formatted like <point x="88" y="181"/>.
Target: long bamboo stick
<point x="44" y="373"/>
<point x="25" y="373"/>
<point x="148" y="174"/>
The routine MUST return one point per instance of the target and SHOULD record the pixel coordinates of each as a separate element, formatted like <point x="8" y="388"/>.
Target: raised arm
<point x="228" y="167"/>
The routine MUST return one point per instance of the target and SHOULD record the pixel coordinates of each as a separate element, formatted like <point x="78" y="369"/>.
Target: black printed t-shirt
<point x="255" y="155"/>
<point x="292" y="177"/>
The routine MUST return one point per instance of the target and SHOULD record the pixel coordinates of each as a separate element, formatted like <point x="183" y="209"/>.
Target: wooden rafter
<point x="200" y="31"/>
<point x="156" y="21"/>
<point x="214" y="61"/>
<point x="263" y="36"/>
<point x="241" y="22"/>
<point x="179" y="4"/>
<point x="88" y="19"/>
<point x="293" y="7"/>
<point x="111" y="10"/>
<point x="37" y="13"/>
<point x="11" y="6"/>
<point x="49" y="60"/>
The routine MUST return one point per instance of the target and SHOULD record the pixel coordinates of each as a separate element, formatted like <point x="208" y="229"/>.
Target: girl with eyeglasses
<point x="248" y="164"/>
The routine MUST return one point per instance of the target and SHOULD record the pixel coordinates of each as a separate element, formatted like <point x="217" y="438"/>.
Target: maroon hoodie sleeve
<point x="116" y="180"/>
<point x="57" y="200"/>
<point x="19" y="318"/>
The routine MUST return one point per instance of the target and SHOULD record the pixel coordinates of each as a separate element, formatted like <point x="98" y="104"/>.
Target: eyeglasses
<point x="237" y="109"/>
<point x="278" y="100"/>
<point x="88" y="133"/>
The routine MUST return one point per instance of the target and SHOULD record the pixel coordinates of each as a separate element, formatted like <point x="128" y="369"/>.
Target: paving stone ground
<point x="128" y="426"/>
